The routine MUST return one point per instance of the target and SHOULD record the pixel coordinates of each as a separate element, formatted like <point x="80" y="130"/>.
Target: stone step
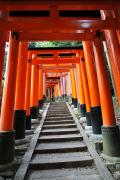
<point x="60" y="131"/>
<point x="59" y="111"/>
<point x="61" y="160"/>
<point x="59" y="118"/>
<point x="59" y="126"/>
<point x="60" y="147"/>
<point x="59" y="122"/>
<point x="58" y="107"/>
<point x="82" y="173"/>
<point x="58" y="115"/>
<point x="61" y="138"/>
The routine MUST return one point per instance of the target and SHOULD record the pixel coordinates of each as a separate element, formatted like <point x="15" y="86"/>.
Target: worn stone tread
<point x="59" y="126"/>
<point x="58" y="118"/>
<point x="64" y="173"/>
<point x="53" y="157"/>
<point x="60" y="131"/>
<point x="68" y="177"/>
<point x="72" y="146"/>
<point x="59" y="122"/>
<point x="63" y="160"/>
<point x="59" y="111"/>
<point x="72" y="177"/>
<point x="61" y="138"/>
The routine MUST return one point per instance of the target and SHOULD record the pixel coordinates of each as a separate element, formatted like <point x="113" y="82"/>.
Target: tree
<point x="55" y="44"/>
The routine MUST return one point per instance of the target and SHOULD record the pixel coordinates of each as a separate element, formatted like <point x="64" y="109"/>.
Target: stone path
<point x="58" y="151"/>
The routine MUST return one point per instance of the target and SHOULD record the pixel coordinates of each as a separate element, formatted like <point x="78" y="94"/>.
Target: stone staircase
<point x="61" y="153"/>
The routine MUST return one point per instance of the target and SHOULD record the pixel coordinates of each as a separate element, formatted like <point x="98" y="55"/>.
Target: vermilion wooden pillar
<point x="34" y="92"/>
<point x="86" y="90"/>
<point x="44" y="87"/>
<point x="76" y="84"/>
<point x="96" y="115"/>
<point x="64" y="87"/>
<point x="2" y="53"/>
<point x="40" y="89"/>
<point x="20" y="113"/>
<point x="7" y="109"/>
<point x="111" y="136"/>
<point x="50" y="94"/>
<point x="61" y="84"/>
<point x="74" y="93"/>
<point x="116" y="14"/>
<point x="82" y="104"/>
<point x="56" y="92"/>
<point x="68" y="87"/>
<point x="59" y="90"/>
<point x="57" y="86"/>
<point x="27" y="93"/>
<point x="114" y="52"/>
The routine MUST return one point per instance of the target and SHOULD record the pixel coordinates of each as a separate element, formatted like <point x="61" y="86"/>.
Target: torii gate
<point x="59" y="20"/>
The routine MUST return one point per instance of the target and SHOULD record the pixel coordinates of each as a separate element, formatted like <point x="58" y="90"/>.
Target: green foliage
<point x="55" y="44"/>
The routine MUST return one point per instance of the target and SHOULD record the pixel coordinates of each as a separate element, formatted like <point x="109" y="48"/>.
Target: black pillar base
<point x="19" y="124"/>
<point x="88" y="117"/>
<point x="96" y="117"/>
<point x="34" y="112"/>
<point x="111" y="141"/>
<point x="83" y="110"/>
<point x="40" y="103"/>
<point x="7" y="147"/>
<point x="28" y="122"/>
<point x="74" y="102"/>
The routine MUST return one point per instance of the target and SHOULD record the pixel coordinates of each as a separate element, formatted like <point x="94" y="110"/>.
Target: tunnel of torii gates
<point x="30" y="73"/>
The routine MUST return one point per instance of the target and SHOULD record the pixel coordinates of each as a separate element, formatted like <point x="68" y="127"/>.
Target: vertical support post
<point x="68" y="86"/>
<point x="7" y="109"/>
<point x="56" y="92"/>
<point x="2" y="53"/>
<point x="110" y="132"/>
<point x="44" y="86"/>
<point x="96" y="115"/>
<point x="61" y="84"/>
<point x="114" y="52"/>
<point x="50" y="93"/>
<point x="74" y="93"/>
<point x="27" y="93"/>
<point x="20" y="113"/>
<point x="34" y="92"/>
<point x="76" y="84"/>
<point x="59" y="90"/>
<point x="86" y="90"/>
<point x="82" y="105"/>
<point x="52" y="89"/>
<point x="109" y="65"/>
<point x="40" y="89"/>
<point x="116" y="14"/>
<point x="64" y="87"/>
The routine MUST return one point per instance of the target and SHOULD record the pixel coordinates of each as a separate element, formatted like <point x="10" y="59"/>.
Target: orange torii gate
<point x="89" y="21"/>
